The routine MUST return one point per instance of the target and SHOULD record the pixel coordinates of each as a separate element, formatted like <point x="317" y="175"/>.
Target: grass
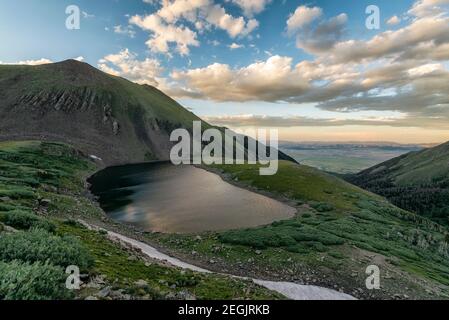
<point x="113" y="261"/>
<point x="338" y="229"/>
<point x="299" y="183"/>
<point x="25" y="220"/>
<point x="43" y="184"/>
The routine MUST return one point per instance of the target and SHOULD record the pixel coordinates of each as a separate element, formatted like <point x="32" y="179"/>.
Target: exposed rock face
<point x="110" y="117"/>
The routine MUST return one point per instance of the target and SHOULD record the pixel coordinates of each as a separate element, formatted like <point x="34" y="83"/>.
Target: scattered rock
<point x="92" y="298"/>
<point x="119" y="295"/>
<point x="170" y="296"/>
<point x="96" y="282"/>
<point x="185" y="295"/>
<point x="84" y="277"/>
<point x="9" y="229"/>
<point x="93" y="285"/>
<point x="45" y="202"/>
<point x="104" y="292"/>
<point x="388" y="276"/>
<point x="141" y="283"/>
<point x="5" y="199"/>
<point x="115" y="127"/>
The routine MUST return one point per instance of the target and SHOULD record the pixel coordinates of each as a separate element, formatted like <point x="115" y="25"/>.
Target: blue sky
<point x="37" y="29"/>
<point x="287" y="90"/>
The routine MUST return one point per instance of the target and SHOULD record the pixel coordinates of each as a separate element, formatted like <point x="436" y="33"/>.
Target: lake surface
<point x="164" y="198"/>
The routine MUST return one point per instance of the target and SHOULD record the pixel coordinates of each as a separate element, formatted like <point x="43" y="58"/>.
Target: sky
<point x="322" y="70"/>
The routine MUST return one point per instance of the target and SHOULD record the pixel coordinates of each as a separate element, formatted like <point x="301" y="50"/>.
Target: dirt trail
<point x="288" y="289"/>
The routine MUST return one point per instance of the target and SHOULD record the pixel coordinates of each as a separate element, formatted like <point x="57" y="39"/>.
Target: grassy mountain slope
<point x="418" y="181"/>
<point x="340" y="230"/>
<point x="42" y="193"/>
<point x="102" y="115"/>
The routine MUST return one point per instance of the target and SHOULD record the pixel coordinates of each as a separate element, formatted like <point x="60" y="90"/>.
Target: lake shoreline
<point x="220" y="267"/>
<point x="187" y="199"/>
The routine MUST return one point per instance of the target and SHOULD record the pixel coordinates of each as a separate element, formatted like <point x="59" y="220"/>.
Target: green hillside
<point x="102" y="115"/>
<point x="340" y="230"/>
<point x="108" y="117"/>
<point x="418" y="181"/>
<point x="42" y="193"/>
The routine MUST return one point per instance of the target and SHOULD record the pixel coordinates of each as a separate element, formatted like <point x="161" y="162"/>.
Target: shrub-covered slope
<point x="340" y="231"/>
<point x="42" y="193"/>
<point x="418" y="182"/>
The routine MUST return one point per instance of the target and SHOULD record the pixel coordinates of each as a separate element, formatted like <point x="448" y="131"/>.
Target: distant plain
<point x="345" y="158"/>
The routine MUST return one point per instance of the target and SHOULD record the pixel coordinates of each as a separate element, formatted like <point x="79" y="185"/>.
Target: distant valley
<point x="346" y="157"/>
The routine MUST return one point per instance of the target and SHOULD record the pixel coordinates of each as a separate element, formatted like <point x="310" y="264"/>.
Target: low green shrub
<point x="322" y="206"/>
<point x="40" y="245"/>
<point x="17" y="193"/>
<point x="258" y="238"/>
<point x="26" y="220"/>
<point x="298" y="249"/>
<point x="316" y="246"/>
<point x="37" y="281"/>
<point x="72" y="223"/>
<point x="336" y="255"/>
<point x="6" y="207"/>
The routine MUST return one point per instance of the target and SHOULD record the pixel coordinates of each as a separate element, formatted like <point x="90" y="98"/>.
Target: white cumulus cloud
<point x="125" y="64"/>
<point x="302" y="17"/>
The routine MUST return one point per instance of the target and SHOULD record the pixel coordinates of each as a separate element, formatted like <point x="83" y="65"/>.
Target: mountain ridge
<point x="103" y="115"/>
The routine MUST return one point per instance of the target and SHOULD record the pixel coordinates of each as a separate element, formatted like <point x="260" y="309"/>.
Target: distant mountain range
<point x="417" y="181"/>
